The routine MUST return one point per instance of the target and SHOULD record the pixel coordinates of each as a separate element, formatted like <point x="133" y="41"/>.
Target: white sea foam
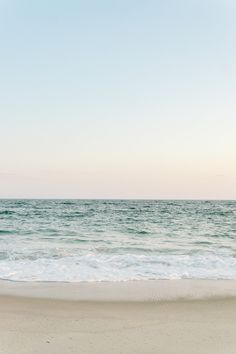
<point x="93" y="267"/>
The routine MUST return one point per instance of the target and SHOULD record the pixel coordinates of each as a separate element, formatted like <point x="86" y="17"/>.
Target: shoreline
<point x="137" y="291"/>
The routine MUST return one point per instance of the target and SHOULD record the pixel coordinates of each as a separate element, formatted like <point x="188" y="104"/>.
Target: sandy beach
<point x="204" y="323"/>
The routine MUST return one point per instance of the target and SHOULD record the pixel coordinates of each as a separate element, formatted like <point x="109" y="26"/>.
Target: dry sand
<point x="30" y="325"/>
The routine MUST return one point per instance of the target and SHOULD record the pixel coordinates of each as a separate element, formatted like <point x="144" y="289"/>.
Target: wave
<point x="94" y="267"/>
<point x="6" y="232"/>
<point x="6" y="212"/>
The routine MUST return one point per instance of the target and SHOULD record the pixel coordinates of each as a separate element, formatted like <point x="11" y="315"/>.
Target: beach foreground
<point x="31" y="325"/>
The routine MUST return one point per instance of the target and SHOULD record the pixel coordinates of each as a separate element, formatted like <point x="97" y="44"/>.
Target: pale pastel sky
<point x="118" y="99"/>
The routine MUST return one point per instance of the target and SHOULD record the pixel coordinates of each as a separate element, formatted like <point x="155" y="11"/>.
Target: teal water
<point x="99" y="240"/>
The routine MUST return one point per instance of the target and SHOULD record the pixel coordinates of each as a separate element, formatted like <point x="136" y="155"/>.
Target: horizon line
<point x="128" y="199"/>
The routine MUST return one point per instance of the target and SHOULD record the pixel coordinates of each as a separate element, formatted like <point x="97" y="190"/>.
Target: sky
<point x="118" y="99"/>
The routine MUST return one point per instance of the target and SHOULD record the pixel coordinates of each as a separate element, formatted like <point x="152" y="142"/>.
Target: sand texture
<point x="43" y="326"/>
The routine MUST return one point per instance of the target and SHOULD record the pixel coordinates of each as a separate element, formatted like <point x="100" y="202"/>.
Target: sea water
<point x="117" y="240"/>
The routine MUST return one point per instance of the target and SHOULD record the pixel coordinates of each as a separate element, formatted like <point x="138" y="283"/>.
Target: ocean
<point x="117" y="240"/>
